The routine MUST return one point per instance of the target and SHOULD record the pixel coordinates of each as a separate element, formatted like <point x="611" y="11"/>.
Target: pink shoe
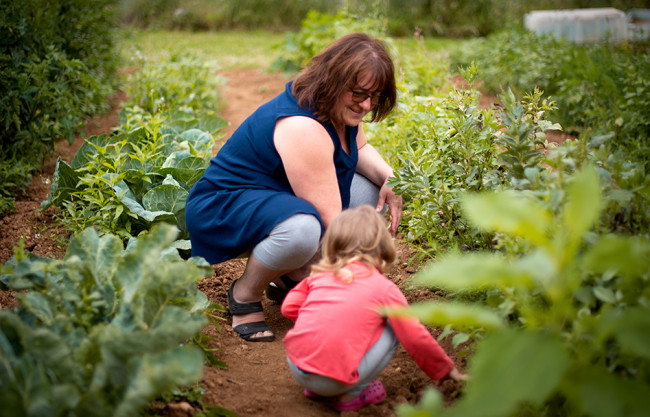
<point x="373" y="394"/>
<point x="311" y="395"/>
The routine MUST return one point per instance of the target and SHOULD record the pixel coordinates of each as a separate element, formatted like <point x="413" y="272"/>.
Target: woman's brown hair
<point x="338" y="68"/>
<point x="357" y="234"/>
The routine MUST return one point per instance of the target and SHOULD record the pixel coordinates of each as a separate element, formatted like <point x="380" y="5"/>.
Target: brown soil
<point x="257" y="382"/>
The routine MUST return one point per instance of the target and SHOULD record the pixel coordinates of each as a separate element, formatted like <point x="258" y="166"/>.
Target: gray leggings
<point x="374" y="361"/>
<point x="294" y="241"/>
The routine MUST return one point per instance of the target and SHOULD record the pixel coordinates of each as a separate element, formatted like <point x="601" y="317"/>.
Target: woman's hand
<point x="394" y="202"/>
<point x="372" y="166"/>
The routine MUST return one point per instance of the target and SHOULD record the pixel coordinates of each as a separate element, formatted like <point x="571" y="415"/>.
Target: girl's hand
<point x="456" y="375"/>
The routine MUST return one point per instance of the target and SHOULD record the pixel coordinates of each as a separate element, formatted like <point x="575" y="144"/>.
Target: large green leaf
<point x="27" y="275"/>
<point x="511" y="369"/>
<point x="211" y="123"/>
<point x="99" y="254"/>
<point x="192" y="163"/>
<point x="147" y="217"/>
<point x="64" y="183"/>
<point x="509" y="213"/>
<point x="157" y="373"/>
<point x="474" y="271"/>
<point x="89" y="148"/>
<point x="628" y="256"/>
<point x="165" y="198"/>
<point x="458" y="316"/>
<point x="198" y="138"/>
<point x="28" y="359"/>
<point x="187" y="177"/>
<point x="600" y="393"/>
<point x="630" y="328"/>
<point x="583" y="204"/>
<point x="174" y="158"/>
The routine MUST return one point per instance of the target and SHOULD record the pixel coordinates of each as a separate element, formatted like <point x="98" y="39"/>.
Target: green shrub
<point x="57" y="67"/>
<point x="598" y="88"/>
<point x="442" y="147"/>
<point x="15" y="175"/>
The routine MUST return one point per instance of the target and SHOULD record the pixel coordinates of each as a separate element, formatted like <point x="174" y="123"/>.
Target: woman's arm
<point x="372" y="166"/>
<point x="306" y="151"/>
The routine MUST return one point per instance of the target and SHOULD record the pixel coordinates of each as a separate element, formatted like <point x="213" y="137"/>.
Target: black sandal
<point x="277" y="294"/>
<point x="247" y="330"/>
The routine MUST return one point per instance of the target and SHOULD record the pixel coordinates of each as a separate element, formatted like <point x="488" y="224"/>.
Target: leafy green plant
<point x="522" y="142"/>
<point x="127" y="182"/>
<point x="420" y="71"/>
<point x="103" y="331"/>
<point x="183" y="82"/>
<point x="568" y="319"/>
<point x="446" y="146"/>
<point x="608" y="92"/>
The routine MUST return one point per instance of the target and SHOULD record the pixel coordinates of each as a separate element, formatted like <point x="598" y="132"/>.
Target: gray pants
<point x="294" y="241"/>
<point x="374" y="361"/>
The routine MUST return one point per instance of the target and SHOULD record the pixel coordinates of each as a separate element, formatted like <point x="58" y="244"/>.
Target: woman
<point x="289" y="169"/>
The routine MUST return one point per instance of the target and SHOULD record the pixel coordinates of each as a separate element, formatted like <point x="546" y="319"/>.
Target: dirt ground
<point x="257" y="382"/>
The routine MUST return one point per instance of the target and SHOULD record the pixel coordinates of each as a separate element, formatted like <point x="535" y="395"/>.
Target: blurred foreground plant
<point x="574" y="333"/>
<point x="103" y="331"/>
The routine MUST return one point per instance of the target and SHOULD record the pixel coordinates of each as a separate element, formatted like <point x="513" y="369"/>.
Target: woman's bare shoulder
<point x="300" y="130"/>
<point x="298" y="122"/>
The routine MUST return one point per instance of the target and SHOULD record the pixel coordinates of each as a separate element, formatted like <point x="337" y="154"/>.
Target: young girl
<point x="340" y="342"/>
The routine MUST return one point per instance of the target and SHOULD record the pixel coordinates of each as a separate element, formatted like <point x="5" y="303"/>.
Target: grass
<point x="232" y="49"/>
<point x="407" y="45"/>
<point x="226" y="50"/>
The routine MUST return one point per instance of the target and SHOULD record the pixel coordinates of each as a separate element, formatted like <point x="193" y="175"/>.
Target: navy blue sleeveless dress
<point x="245" y="192"/>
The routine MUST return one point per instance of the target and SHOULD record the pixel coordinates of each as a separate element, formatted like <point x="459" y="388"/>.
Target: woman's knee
<point x="291" y="243"/>
<point x="363" y="191"/>
<point x="301" y="233"/>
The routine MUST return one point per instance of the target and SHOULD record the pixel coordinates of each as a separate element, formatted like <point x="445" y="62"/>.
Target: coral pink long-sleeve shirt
<point x="337" y="323"/>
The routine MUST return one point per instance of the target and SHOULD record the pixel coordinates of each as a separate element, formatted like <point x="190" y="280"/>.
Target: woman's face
<point x="351" y="106"/>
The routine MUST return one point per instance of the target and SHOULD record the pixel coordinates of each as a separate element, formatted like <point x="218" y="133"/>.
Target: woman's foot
<point x="277" y="290"/>
<point x="248" y="319"/>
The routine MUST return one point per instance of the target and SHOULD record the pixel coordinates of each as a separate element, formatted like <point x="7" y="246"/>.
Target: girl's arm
<point x="294" y="300"/>
<point x="418" y="342"/>
<point x="422" y="347"/>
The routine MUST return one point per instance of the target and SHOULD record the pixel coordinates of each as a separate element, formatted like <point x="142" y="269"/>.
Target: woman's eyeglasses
<point x="361" y="96"/>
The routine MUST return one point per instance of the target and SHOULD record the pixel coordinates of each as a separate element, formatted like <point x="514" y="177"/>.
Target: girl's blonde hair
<point x="357" y="234"/>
